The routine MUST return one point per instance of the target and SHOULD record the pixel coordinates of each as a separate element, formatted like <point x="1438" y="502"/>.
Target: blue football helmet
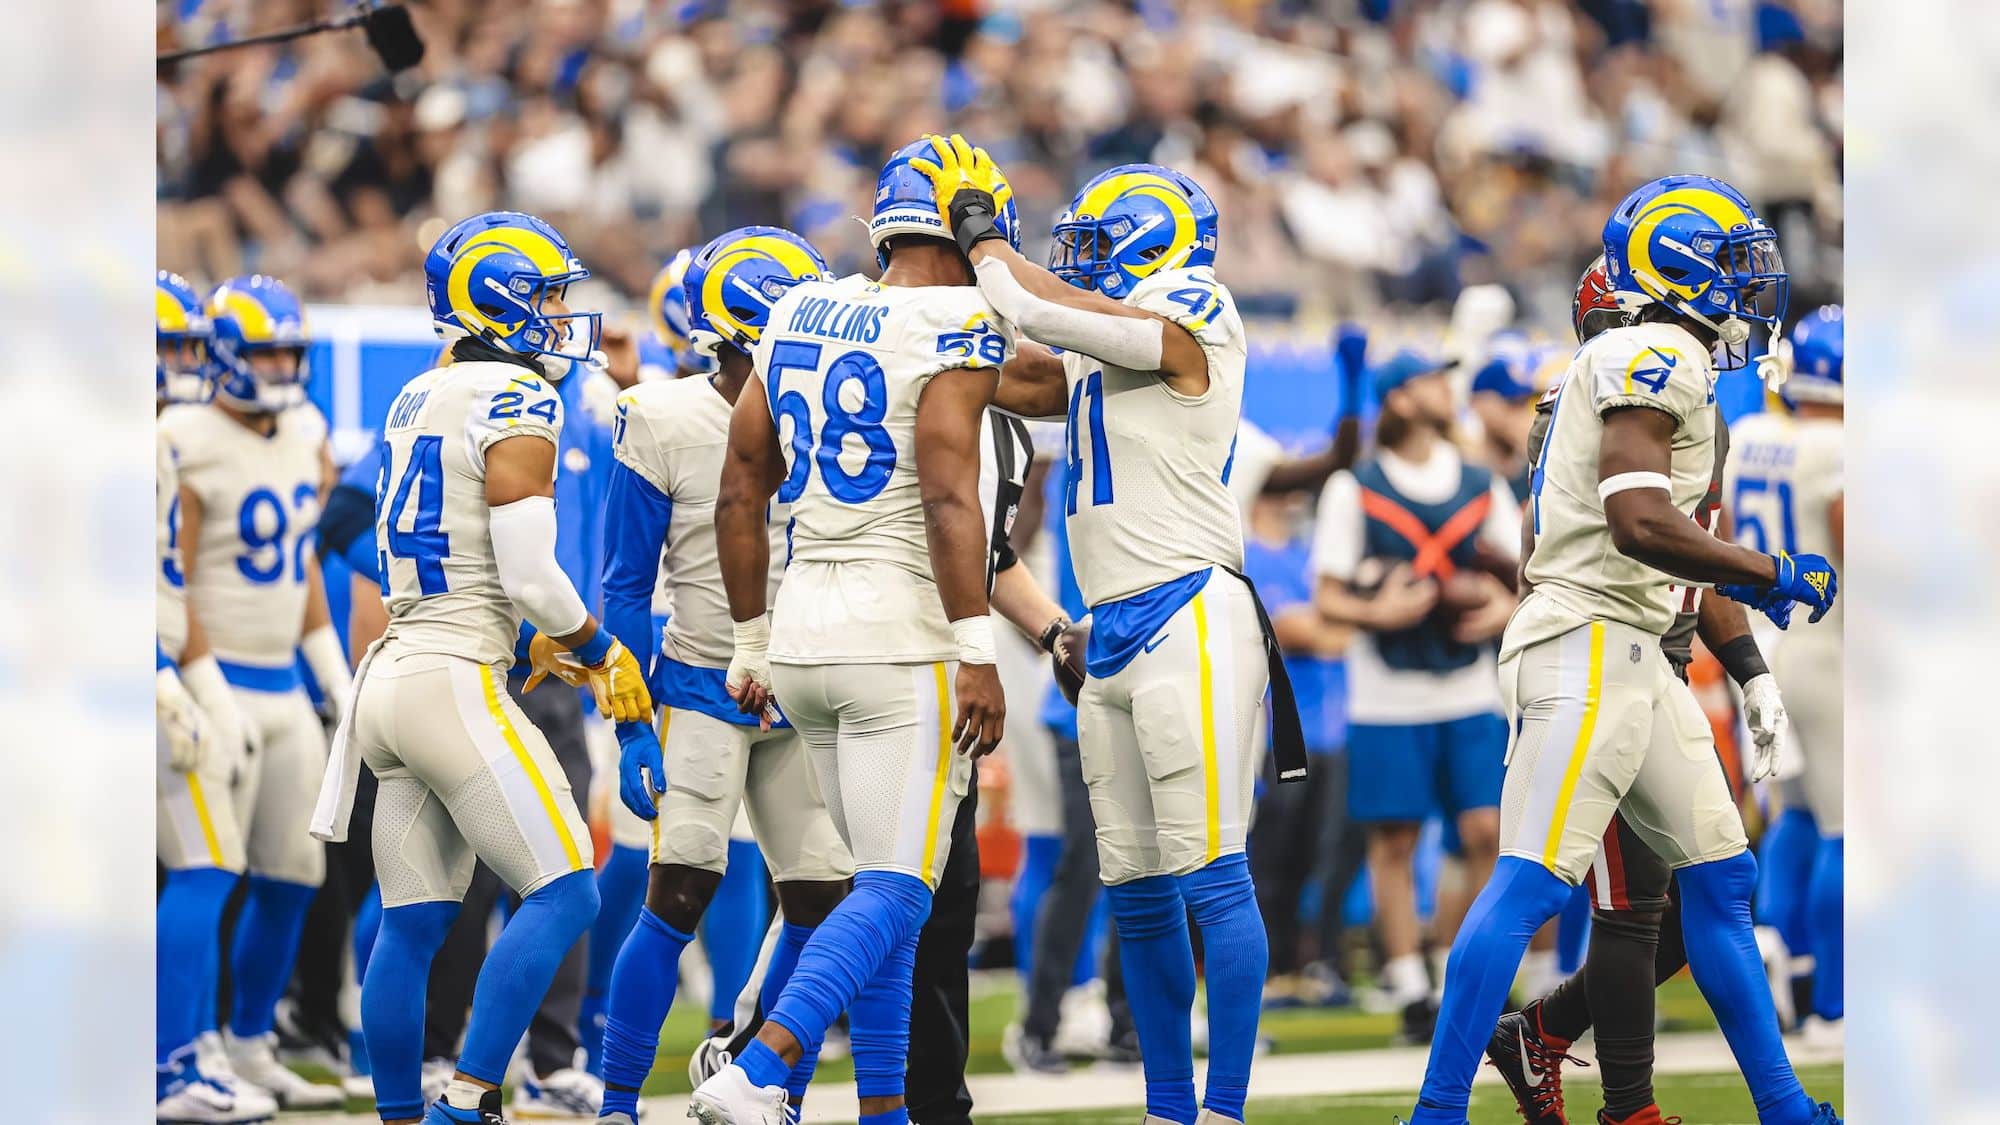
<point x="252" y="316"/>
<point x="906" y="203"/>
<point x="1129" y="223"/>
<point x="1695" y="245"/>
<point x="487" y="278"/>
<point x="181" y="338"/>
<point x="1818" y="349"/>
<point x="666" y="302"/>
<point x="735" y="279"/>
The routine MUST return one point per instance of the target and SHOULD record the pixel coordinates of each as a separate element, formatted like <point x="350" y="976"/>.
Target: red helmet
<point x="1595" y="307"/>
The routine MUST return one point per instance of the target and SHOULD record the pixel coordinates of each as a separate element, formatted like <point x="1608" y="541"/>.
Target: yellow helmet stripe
<point x="249" y="314"/>
<point x="657" y="295"/>
<point x="1158" y="187"/>
<point x="531" y="245"/>
<point x="1721" y="209"/>
<point x="793" y="258"/>
<point x="170" y="314"/>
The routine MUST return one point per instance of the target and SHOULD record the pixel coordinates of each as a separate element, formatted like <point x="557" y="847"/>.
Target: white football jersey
<point x="169" y="584"/>
<point x="844" y="363"/>
<point x="432" y="532"/>
<point x="674" y="434"/>
<point x="260" y="503"/>
<point x="1782" y="479"/>
<point x="1577" y="573"/>
<point x="1147" y="497"/>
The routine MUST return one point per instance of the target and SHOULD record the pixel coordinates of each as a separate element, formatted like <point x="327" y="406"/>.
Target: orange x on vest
<point x="1433" y="547"/>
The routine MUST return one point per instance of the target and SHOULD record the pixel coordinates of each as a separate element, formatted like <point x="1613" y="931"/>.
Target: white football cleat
<point x="1210" y="1117"/>
<point x="199" y="1102"/>
<point x="730" y="1099"/>
<point x="568" y="1094"/>
<point x="1777" y="973"/>
<point x="358" y="1086"/>
<point x="436" y="1076"/>
<point x="1823" y="1034"/>
<point x="256" y="1061"/>
<point x="1084" y="1027"/>
<point x="211" y="1058"/>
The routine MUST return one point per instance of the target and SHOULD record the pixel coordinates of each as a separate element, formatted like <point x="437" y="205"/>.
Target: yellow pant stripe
<point x="1211" y="782"/>
<point x="938" y="778"/>
<point x="1585" y="727"/>
<point x="201" y="814"/>
<point x="488" y="682"/>
<point x="666" y="723"/>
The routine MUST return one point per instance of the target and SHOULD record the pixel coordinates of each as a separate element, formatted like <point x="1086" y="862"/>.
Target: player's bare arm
<point x="751" y="472"/>
<point x="1635" y="460"/>
<point x="1022" y="601"/>
<point x="1032" y="384"/>
<point x="947" y="443"/>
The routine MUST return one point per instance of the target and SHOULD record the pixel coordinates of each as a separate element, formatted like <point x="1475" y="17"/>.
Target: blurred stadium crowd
<point x="1368" y="156"/>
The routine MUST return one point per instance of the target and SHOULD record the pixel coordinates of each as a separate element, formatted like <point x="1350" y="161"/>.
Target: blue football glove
<point x="642" y="776"/>
<point x="1350" y="366"/>
<point x="1806" y="580"/>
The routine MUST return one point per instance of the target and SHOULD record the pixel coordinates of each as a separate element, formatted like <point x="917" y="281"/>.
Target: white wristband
<point x="974" y="637"/>
<point x="753" y="637"/>
<point x="1625" y="481"/>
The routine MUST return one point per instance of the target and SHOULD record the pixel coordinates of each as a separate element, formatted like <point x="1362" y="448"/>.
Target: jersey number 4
<point x="425" y="542"/>
<point x="864" y="422"/>
<point x="1091" y="387"/>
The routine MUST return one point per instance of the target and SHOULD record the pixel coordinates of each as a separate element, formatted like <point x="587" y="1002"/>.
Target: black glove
<point x="973" y="218"/>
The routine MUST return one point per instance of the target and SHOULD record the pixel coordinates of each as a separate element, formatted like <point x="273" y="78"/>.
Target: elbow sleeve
<point x="1134" y="343"/>
<point x="524" y="551"/>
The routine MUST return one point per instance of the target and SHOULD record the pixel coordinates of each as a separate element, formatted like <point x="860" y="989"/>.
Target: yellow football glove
<point x="618" y="682"/>
<point x="620" y="687"/>
<point x="547" y="658"/>
<point x="960" y="165"/>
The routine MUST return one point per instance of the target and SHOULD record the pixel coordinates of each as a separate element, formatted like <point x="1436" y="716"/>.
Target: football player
<point x="1598" y="719"/>
<point x="252" y="464"/>
<point x="1179" y="656"/>
<point x="201" y="748"/>
<point x="1787" y="493"/>
<point x="865" y="415"/>
<point x="1425" y="728"/>
<point x="1635" y="941"/>
<point x="709" y="758"/>
<point x="465" y="536"/>
<point x="665" y="352"/>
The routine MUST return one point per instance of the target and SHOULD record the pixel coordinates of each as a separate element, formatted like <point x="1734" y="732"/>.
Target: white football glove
<point x="181" y="722"/>
<point x="229" y="734"/>
<point x="1775" y="366"/>
<point x="1764" y="712"/>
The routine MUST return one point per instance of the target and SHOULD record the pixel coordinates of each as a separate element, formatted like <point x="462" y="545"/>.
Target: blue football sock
<point x="392" y="1002"/>
<point x="1158" y="960"/>
<point x="1038" y="869"/>
<point x="762" y="1065"/>
<point x="518" y="970"/>
<point x="898" y="1116"/>
<point x="1785" y="871"/>
<point x="186" y="920"/>
<point x="878" y="1024"/>
<point x="1521" y="896"/>
<point x="785" y="958"/>
<point x="1722" y="953"/>
<point x="732" y="928"/>
<point x="1090" y="954"/>
<point x="642" y="990"/>
<point x="260" y="963"/>
<point x="1223" y="902"/>
<point x="621" y="887"/>
<point x="1828" y="904"/>
<point x="884" y="910"/>
<point x="1573" y="932"/>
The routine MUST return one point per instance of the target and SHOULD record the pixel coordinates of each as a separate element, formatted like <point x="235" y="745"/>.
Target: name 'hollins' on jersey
<point x="834" y="320"/>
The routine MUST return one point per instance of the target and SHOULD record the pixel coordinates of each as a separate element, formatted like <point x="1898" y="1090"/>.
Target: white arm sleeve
<point x="524" y="551"/>
<point x="1134" y="343"/>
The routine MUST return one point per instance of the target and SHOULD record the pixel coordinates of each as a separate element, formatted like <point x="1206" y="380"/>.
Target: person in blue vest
<point x="1409" y="550"/>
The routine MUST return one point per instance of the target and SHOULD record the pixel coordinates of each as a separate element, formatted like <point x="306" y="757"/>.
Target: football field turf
<point x="1698" y="1099"/>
